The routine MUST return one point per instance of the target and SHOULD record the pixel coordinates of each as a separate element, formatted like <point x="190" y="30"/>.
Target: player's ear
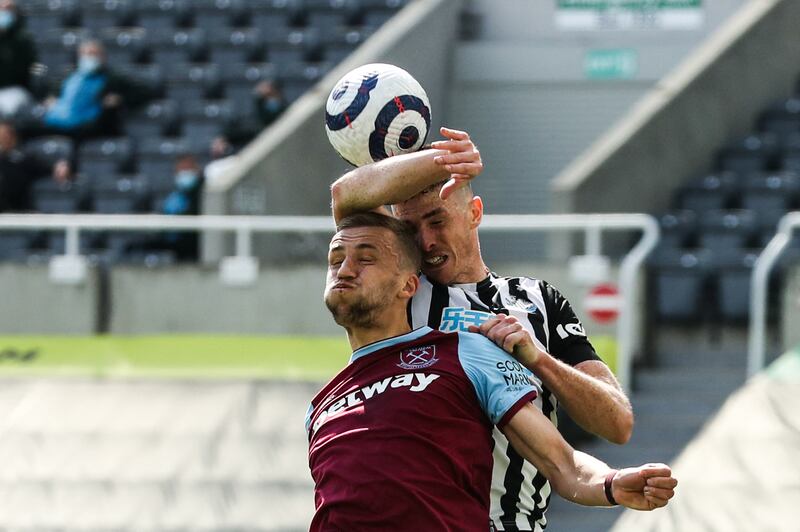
<point x="410" y="286"/>
<point x="475" y="211"/>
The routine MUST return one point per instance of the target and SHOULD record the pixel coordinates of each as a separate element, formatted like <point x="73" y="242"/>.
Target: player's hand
<point x="463" y="160"/>
<point x="645" y="487"/>
<point x="508" y="333"/>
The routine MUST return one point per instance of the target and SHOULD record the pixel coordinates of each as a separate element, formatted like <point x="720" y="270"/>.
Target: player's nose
<point x="426" y="240"/>
<point x="347" y="269"/>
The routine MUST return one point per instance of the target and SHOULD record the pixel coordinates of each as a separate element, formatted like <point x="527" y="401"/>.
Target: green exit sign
<point x="621" y="63"/>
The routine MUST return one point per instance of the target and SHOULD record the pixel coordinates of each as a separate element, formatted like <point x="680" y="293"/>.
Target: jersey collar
<point x="381" y="344"/>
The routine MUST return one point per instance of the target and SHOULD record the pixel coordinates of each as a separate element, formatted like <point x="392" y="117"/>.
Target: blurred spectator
<point x="18" y="171"/>
<point x="17" y="57"/>
<point x="93" y="97"/>
<point x="222" y="158"/>
<point x="269" y="104"/>
<point x="184" y="199"/>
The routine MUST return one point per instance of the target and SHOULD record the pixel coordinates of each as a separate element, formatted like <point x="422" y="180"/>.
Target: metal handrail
<point x="759" y="279"/>
<point x="245" y="226"/>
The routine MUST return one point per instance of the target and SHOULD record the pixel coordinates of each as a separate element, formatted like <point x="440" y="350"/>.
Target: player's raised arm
<point x="581" y="478"/>
<point x="395" y="179"/>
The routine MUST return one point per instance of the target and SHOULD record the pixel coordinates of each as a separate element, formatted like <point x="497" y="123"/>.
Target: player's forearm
<point x="583" y="482"/>
<point x="389" y="181"/>
<point x="596" y="403"/>
<point x="575" y="476"/>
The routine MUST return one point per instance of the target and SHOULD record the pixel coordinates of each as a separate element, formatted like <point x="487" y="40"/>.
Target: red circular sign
<point x="603" y="303"/>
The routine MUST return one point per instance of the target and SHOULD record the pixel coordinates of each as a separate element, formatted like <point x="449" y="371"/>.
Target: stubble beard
<point x="362" y="313"/>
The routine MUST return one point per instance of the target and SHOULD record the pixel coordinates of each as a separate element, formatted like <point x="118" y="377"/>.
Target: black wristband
<point x="607" y="486"/>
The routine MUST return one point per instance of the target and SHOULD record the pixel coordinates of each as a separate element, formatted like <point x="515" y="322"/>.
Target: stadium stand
<point x="202" y="59"/>
<point x="727" y="217"/>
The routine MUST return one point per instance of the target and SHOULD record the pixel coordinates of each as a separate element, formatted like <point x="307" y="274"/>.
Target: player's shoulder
<point x="547" y="289"/>
<point x="477" y="346"/>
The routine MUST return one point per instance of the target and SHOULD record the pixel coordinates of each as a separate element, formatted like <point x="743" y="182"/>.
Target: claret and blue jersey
<point x="401" y="438"/>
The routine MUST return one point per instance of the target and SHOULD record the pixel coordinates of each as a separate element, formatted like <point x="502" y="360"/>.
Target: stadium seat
<point x="158" y="119"/>
<point x="107" y="156"/>
<point x="781" y="118"/>
<point x="227" y="46"/>
<point x="715" y="191"/>
<point x="157" y="158"/>
<point x="124" y="45"/>
<point x="150" y="76"/>
<point x="338" y="43"/>
<point x="275" y="15"/>
<point x="678" y="229"/>
<point x="162" y="15"/>
<point x="211" y="14"/>
<point x="50" y="197"/>
<point x="48" y="150"/>
<point x="680" y="281"/>
<point x="46" y="15"/>
<point x="790" y="160"/>
<point x="331" y="13"/>
<point x="289" y="47"/>
<point x="772" y="193"/>
<point x="203" y="120"/>
<point x="723" y="230"/>
<point x="240" y="79"/>
<point x="14" y="245"/>
<point x="732" y="279"/>
<point x="99" y="14"/>
<point x="124" y="196"/>
<point x="378" y="12"/>
<point x="751" y="154"/>
<point x="193" y="82"/>
<point x="297" y="78"/>
<point x="58" y="48"/>
<point x="170" y="48"/>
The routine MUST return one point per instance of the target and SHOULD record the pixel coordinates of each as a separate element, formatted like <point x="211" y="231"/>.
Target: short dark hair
<point x="403" y="232"/>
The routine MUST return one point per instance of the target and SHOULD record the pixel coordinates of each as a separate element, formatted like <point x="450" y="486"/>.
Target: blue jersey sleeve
<point x="502" y="384"/>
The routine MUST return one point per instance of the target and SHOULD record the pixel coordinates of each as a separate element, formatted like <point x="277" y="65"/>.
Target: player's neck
<point x="386" y="326"/>
<point x="475" y="273"/>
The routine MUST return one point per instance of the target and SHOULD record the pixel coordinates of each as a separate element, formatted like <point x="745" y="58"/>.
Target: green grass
<point x="190" y="356"/>
<point x="195" y="356"/>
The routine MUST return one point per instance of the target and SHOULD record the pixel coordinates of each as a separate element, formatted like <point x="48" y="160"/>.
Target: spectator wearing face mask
<point x="184" y="199"/>
<point x="17" y="57"/>
<point x="268" y="104"/>
<point x="93" y="97"/>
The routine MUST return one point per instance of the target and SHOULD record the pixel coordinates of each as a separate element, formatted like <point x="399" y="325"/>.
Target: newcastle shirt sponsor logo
<point x="418" y="357"/>
<point x="415" y="382"/>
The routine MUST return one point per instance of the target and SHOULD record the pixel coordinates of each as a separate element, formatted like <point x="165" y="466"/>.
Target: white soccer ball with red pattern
<point x="377" y="111"/>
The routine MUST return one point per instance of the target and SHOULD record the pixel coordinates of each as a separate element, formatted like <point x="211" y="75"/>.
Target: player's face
<point x="364" y="275"/>
<point x="446" y="234"/>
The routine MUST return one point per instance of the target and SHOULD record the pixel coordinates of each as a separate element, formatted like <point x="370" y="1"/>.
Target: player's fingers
<point x="487" y="325"/>
<point x="512" y="340"/>
<point x="659" y="493"/>
<point x="453" y="145"/>
<point x="662" y="482"/>
<point x="655" y="470"/>
<point x="464" y="168"/>
<point x="456" y="181"/>
<point x="458" y="157"/>
<point x="455" y="134"/>
<point x="655" y="502"/>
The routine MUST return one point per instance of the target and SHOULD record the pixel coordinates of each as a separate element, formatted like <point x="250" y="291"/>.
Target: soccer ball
<point x="377" y="111"/>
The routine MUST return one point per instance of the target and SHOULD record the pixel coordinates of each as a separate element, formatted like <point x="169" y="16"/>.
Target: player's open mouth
<point x="435" y="262"/>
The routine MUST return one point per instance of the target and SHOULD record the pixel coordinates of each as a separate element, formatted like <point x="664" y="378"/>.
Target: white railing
<point x="242" y="269"/>
<point x="759" y="284"/>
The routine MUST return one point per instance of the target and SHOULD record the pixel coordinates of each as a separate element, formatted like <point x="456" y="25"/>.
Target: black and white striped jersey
<point x="520" y="495"/>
